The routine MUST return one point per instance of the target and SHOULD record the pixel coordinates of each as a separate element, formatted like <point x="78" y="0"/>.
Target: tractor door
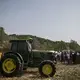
<point x="23" y="50"/>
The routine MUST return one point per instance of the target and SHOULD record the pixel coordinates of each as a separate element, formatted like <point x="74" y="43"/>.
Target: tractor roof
<point x="18" y="41"/>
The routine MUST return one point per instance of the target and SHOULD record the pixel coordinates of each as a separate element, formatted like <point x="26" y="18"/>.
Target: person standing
<point x="68" y="57"/>
<point x="74" y="57"/>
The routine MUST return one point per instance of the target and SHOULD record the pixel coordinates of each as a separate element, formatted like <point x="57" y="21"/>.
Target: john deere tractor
<point x="21" y="56"/>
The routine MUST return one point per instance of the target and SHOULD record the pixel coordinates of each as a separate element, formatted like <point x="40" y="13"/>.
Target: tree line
<point x="38" y="42"/>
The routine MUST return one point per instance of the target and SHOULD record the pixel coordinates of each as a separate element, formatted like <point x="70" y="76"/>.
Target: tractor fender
<point x="15" y="53"/>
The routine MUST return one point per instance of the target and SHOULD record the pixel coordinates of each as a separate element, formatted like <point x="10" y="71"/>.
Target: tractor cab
<point x="20" y="45"/>
<point x="23" y="47"/>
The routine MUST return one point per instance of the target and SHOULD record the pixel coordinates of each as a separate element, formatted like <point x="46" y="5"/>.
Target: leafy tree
<point x="74" y="45"/>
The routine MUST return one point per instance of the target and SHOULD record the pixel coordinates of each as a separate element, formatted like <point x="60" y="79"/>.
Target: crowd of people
<point x="68" y="57"/>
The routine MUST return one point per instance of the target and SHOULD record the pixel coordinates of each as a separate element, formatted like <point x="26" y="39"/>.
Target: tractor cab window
<point x="14" y="47"/>
<point x="22" y="46"/>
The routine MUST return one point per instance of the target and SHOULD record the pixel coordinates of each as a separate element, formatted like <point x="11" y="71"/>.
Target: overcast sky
<point x="52" y="19"/>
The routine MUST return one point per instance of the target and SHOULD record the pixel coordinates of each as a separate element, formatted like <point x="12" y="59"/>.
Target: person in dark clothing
<point x="62" y="59"/>
<point x="71" y="53"/>
<point x="74" y="57"/>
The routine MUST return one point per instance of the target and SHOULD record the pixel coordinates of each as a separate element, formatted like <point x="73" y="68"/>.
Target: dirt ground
<point x="63" y="72"/>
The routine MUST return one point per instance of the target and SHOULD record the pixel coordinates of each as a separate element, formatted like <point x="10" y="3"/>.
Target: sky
<point x="51" y="19"/>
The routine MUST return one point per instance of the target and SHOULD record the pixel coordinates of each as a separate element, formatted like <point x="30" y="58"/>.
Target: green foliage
<point x="40" y="43"/>
<point x="74" y="45"/>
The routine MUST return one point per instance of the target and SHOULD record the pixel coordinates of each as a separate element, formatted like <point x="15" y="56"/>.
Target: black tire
<point x="50" y="63"/>
<point x="16" y="61"/>
<point x="20" y="57"/>
<point x="22" y="63"/>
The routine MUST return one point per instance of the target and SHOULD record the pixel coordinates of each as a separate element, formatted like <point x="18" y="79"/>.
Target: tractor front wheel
<point x="47" y="69"/>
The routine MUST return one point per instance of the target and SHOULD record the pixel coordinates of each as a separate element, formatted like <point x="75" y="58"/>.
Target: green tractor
<point x="21" y="56"/>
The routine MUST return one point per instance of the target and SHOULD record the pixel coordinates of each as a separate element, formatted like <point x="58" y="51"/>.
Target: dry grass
<point x="64" y="72"/>
<point x="67" y="72"/>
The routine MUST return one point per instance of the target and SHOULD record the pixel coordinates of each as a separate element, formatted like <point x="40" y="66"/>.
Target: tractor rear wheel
<point x="10" y="65"/>
<point x="47" y="69"/>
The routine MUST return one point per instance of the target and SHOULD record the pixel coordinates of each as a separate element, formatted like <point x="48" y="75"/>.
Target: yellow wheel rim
<point x="0" y="54"/>
<point x="8" y="65"/>
<point x="47" y="69"/>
